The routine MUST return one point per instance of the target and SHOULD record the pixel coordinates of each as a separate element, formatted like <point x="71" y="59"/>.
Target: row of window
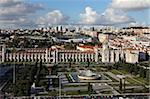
<point x="26" y="55"/>
<point x="76" y="60"/>
<point x="28" y="59"/>
<point x="19" y="55"/>
<point x="76" y="55"/>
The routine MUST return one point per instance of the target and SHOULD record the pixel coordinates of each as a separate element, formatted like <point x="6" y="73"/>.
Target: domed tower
<point x="105" y="51"/>
<point x="2" y="52"/>
<point x="105" y="43"/>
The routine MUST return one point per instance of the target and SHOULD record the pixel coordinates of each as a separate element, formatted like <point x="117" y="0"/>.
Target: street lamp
<point x="14" y="69"/>
<point x="124" y="85"/>
<point x="121" y="77"/>
<point x="59" y="86"/>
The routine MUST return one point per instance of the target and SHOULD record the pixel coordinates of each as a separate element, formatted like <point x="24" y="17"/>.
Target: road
<point x="83" y="88"/>
<point x="103" y="87"/>
<point x="131" y="87"/>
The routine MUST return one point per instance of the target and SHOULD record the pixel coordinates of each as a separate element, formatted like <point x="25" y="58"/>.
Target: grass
<point x="116" y="72"/>
<point x="134" y="80"/>
<point x="131" y="81"/>
<point x="73" y="70"/>
<point x="74" y="85"/>
<point x="142" y="80"/>
<point x="137" y="81"/>
<point x="119" y="72"/>
<point x="76" y="93"/>
<point x="107" y="92"/>
<point x="124" y="72"/>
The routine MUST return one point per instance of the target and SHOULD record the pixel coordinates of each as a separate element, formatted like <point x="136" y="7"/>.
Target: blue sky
<point x="72" y="8"/>
<point x="35" y="13"/>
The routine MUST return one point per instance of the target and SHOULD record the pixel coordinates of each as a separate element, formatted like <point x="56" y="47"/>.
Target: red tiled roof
<point x="85" y="46"/>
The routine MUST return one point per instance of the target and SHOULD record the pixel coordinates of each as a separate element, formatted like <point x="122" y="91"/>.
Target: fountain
<point x="88" y="75"/>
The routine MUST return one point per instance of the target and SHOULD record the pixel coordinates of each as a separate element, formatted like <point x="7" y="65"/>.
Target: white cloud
<point x="110" y="16"/>
<point x="53" y="17"/>
<point x="131" y="5"/>
<point x="90" y="16"/>
<point x="116" y="16"/>
<point x="16" y="12"/>
<point x="19" y="9"/>
<point x="137" y="24"/>
<point x="9" y="2"/>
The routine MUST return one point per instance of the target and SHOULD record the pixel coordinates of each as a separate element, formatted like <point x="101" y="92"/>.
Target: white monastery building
<point x="82" y="54"/>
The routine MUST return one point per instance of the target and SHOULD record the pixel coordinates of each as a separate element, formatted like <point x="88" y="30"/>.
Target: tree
<point x="109" y="67"/>
<point x="142" y="72"/>
<point x="88" y="62"/>
<point x="135" y="69"/>
<point x="55" y="82"/>
<point x="70" y="60"/>
<point x="41" y="66"/>
<point x="126" y="66"/>
<point x="54" y="70"/>
<point x="89" y="88"/>
<point x="131" y="69"/>
<point x="147" y="75"/>
<point x="41" y="73"/>
<point x="116" y="65"/>
<point x="120" y="85"/>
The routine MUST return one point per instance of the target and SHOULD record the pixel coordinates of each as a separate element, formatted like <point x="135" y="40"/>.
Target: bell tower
<point x="2" y="53"/>
<point x="105" y="51"/>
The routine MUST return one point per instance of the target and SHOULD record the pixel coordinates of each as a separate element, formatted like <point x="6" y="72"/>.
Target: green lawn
<point x="77" y="93"/>
<point x="116" y="72"/>
<point x="119" y="72"/>
<point x="134" y="80"/>
<point x="74" y="85"/>
<point x="137" y="81"/>
<point x="107" y="92"/>
<point x="131" y="81"/>
<point x="124" y="72"/>
<point x="142" y="80"/>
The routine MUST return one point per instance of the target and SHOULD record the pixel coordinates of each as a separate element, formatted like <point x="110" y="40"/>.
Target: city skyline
<point x="37" y="13"/>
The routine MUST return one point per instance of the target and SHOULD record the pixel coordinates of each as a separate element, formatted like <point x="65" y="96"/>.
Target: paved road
<point x="113" y="76"/>
<point x="83" y="88"/>
<point x="104" y="87"/>
<point x="104" y="96"/>
<point x="75" y="84"/>
<point x="130" y="87"/>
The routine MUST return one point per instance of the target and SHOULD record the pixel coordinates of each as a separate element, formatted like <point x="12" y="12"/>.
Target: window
<point x="51" y="60"/>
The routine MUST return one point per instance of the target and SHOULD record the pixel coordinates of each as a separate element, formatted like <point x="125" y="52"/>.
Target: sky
<point x="43" y="13"/>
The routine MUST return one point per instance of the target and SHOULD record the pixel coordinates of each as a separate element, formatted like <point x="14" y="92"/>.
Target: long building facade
<point x="54" y="55"/>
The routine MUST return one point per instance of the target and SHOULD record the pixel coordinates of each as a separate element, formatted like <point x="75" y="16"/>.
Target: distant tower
<point x="60" y="28"/>
<point x="105" y="43"/>
<point x="47" y="54"/>
<point x="96" y="53"/>
<point x="3" y="52"/>
<point x="105" y="51"/>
